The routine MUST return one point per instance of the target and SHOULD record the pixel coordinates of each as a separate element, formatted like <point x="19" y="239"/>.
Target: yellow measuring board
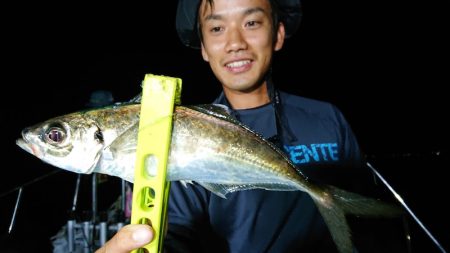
<point x="150" y="189"/>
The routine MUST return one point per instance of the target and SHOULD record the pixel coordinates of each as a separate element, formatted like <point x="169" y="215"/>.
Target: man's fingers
<point x="128" y="238"/>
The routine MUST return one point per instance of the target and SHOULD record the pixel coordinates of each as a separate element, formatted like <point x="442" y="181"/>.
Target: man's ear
<point x="281" y="33"/>
<point x="204" y="54"/>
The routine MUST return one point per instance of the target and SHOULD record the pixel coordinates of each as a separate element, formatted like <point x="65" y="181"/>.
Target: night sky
<point x="384" y="64"/>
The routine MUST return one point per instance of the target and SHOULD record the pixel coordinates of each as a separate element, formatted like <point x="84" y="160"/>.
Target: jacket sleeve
<point x="353" y="156"/>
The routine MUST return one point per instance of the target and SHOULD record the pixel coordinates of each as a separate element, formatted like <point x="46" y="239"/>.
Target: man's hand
<point x="128" y="238"/>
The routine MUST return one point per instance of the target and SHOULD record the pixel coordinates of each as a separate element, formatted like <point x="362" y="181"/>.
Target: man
<point x="238" y="39"/>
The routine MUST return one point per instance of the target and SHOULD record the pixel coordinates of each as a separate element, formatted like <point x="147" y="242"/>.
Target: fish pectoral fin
<point x="126" y="141"/>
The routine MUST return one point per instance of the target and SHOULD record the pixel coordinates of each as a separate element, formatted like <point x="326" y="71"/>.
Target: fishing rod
<point x="19" y="196"/>
<point x="16" y="206"/>
<point x="403" y="203"/>
<point x="35" y="180"/>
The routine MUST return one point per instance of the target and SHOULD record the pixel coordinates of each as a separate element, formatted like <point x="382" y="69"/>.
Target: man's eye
<point x="216" y="29"/>
<point x="252" y="23"/>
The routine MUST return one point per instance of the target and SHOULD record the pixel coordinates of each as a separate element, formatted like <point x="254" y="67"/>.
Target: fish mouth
<point x="30" y="148"/>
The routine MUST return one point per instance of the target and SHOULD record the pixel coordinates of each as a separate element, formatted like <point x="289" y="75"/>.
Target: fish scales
<point x="228" y="148"/>
<point x="208" y="146"/>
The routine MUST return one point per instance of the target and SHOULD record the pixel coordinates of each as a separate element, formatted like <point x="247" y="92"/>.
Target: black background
<point x="384" y="64"/>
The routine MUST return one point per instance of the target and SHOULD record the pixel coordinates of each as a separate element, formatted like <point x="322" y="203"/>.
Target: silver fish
<point x="208" y="146"/>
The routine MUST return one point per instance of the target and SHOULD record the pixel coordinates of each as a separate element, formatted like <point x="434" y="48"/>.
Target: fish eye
<point x="98" y="136"/>
<point x="55" y="134"/>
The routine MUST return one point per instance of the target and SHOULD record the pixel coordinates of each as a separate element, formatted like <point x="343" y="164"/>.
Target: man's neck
<point x="246" y="100"/>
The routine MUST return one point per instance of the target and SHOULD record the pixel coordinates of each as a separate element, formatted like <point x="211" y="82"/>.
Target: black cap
<point x="186" y="20"/>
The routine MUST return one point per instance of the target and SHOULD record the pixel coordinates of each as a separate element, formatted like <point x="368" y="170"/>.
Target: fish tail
<point x="334" y="204"/>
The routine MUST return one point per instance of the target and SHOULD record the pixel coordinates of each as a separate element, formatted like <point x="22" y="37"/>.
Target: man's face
<point x="238" y="41"/>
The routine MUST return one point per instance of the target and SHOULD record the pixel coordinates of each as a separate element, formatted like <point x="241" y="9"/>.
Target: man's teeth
<point x="237" y="64"/>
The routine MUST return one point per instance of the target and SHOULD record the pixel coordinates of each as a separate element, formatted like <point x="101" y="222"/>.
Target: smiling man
<point x="238" y="39"/>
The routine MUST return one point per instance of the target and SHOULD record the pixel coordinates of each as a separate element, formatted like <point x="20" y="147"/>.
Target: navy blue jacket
<point x="270" y="221"/>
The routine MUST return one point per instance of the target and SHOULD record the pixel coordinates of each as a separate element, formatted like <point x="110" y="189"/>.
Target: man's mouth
<point x="238" y="66"/>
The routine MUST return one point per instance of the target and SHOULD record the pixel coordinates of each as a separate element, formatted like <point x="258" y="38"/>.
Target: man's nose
<point x="235" y="40"/>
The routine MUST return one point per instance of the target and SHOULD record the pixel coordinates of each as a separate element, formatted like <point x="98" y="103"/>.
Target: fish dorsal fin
<point x="222" y="112"/>
<point x="136" y="99"/>
<point x="222" y="108"/>
<point x="225" y="113"/>
<point x="218" y="111"/>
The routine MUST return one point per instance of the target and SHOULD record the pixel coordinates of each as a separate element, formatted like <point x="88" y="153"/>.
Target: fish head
<point x="70" y="142"/>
